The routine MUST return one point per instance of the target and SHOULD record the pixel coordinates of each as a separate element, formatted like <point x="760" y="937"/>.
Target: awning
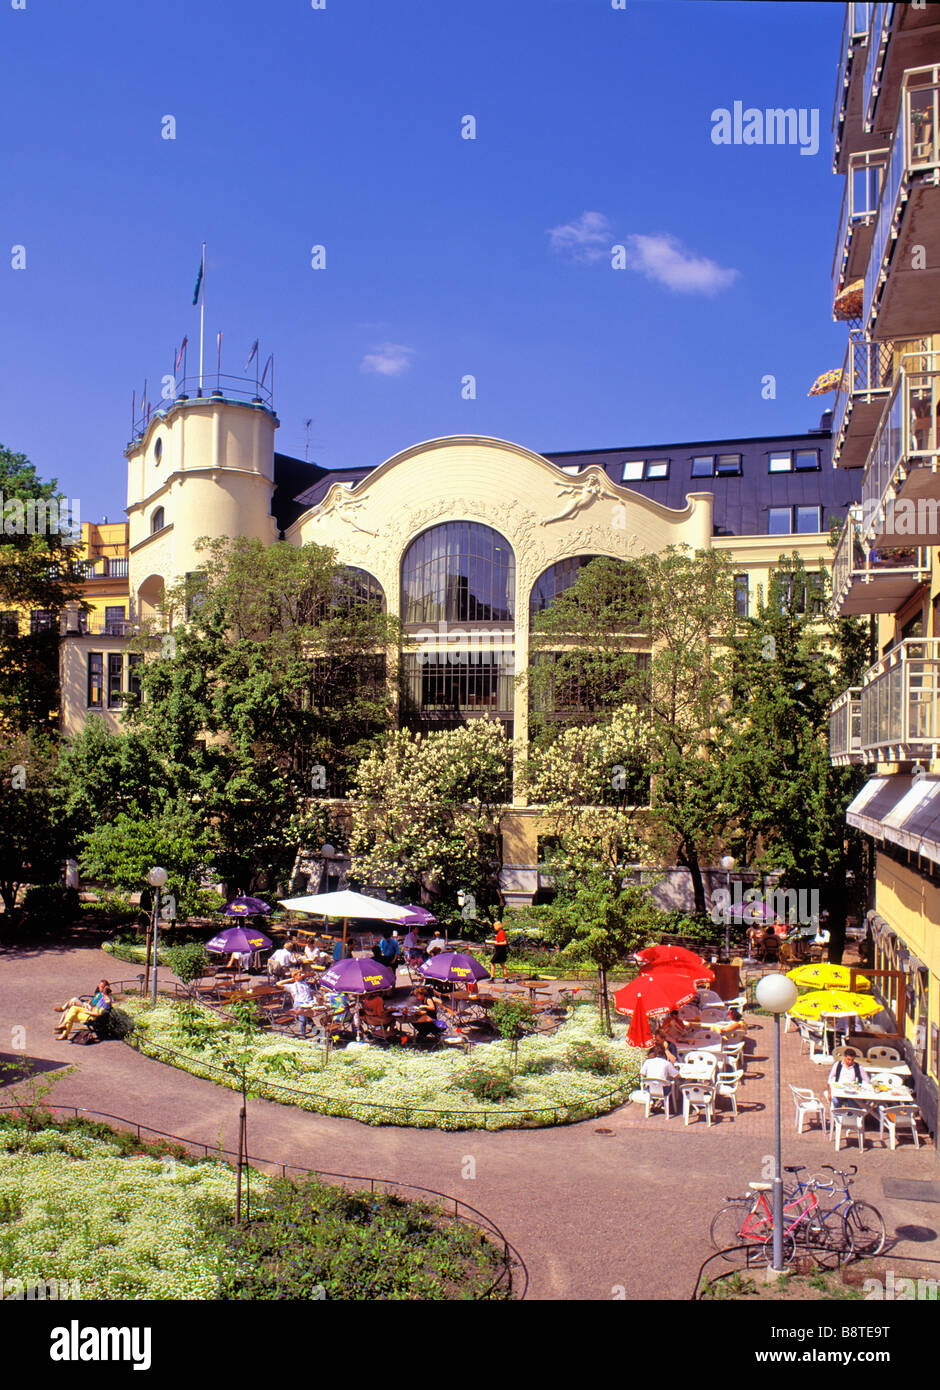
<point x="877" y="799"/>
<point x="915" y="822"/>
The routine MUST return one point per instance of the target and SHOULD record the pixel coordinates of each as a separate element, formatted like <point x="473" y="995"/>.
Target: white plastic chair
<point x="707" y="997"/>
<point x="807" y="1102"/>
<point x="657" y="1092"/>
<point x="883" y="1078"/>
<point x="815" y="1035"/>
<point x="852" y="1121"/>
<point x="728" y="1086"/>
<point x="892" y="1118"/>
<point x="733" y="1052"/>
<point x="698" y="1098"/>
<point x="883" y="1054"/>
<point x="706" y="1060"/>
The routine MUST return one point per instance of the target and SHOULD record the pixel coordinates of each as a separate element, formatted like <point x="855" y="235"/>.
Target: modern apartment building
<point x="886" y="281"/>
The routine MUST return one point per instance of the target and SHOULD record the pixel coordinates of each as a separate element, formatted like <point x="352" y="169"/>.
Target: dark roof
<point x="741" y="503"/>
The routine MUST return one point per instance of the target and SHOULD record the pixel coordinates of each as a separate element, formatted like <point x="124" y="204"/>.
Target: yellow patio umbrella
<point x="834" y="1001"/>
<point x="829" y="381"/>
<point x="848" y="302"/>
<point x="825" y="976"/>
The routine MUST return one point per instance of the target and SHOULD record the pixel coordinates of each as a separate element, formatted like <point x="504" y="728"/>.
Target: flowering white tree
<point x="427" y="809"/>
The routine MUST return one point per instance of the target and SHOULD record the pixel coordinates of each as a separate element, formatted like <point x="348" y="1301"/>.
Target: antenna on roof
<point x="307" y="424"/>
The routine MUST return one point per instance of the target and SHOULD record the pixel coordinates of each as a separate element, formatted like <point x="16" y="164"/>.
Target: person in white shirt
<point x="437" y="943"/>
<point x="658" y="1067"/>
<point x="848" y="1072"/>
<point x="302" y="997"/>
<point x="280" y="961"/>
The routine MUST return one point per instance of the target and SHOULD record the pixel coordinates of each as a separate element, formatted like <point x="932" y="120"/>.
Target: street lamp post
<point x="157" y="877"/>
<point x="776" y="993"/>
<point x="727" y="864"/>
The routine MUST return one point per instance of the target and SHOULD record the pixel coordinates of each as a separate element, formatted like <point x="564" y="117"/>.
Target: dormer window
<point x="157" y="521"/>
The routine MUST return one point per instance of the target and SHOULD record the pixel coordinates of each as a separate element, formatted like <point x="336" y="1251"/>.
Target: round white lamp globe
<point x="157" y="877"/>
<point x="727" y="863"/>
<point x="327" y="852"/>
<point x="776" y="993"/>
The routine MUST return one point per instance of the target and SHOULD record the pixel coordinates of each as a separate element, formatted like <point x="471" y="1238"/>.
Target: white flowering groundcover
<point x="123" y="1228"/>
<point x="400" y="1086"/>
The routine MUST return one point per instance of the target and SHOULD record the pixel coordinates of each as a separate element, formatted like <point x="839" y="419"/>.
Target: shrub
<point x="51" y="902"/>
<point x="513" y="1017"/>
<point x="188" y="961"/>
<point x="587" y="1056"/>
<point x="487" y="1084"/>
<point x="534" y="1066"/>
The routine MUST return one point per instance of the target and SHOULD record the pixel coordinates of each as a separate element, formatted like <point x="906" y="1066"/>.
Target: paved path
<point x="591" y="1213"/>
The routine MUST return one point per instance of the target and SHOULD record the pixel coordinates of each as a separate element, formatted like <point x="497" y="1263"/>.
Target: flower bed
<point x="399" y="1086"/>
<point x="80" y="1211"/>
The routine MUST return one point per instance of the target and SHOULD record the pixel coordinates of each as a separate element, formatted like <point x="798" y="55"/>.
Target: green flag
<point x="198" y="284"/>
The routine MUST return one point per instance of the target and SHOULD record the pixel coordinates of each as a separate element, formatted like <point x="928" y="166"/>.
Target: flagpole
<point x="202" y="317"/>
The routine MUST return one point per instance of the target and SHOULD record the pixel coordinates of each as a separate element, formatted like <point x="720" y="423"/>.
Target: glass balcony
<point x="845" y="728"/>
<point x="910" y="186"/>
<point x="900" y="710"/>
<point x="865" y="580"/>
<point x="851" y="70"/>
<point x="857" y="219"/>
<point x="878" y="31"/>
<point x="866" y="384"/>
<point x="901" y="487"/>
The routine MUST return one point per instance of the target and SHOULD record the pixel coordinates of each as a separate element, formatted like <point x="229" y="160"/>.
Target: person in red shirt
<point x="500" y="951"/>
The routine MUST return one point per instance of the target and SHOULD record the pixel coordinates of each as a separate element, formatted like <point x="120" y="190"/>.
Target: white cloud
<point x="391" y="359"/>
<point x="587" y="238"/>
<point x="664" y="259"/>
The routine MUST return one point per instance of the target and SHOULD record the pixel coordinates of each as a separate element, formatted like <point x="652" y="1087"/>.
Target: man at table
<point x="846" y="1073"/>
<point x="281" y="961"/>
<point x="733" y="1027"/>
<point x="657" y="1066"/>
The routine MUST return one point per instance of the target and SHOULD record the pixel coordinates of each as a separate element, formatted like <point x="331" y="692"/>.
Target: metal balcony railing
<point x="854" y="37"/>
<point x="914" y="150"/>
<point x="94" y="625"/>
<point x="215" y="386"/>
<point x="866" y="580"/>
<point x="879" y="29"/>
<point x="859" y="208"/>
<point x="845" y="727"/>
<point x="106" y="568"/>
<point x="866" y="376"/>
<point x="900" y="707"/>
<point x="906" y="442"/>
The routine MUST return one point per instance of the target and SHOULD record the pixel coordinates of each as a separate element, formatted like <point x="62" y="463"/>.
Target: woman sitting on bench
<point x="75" y="1011"/>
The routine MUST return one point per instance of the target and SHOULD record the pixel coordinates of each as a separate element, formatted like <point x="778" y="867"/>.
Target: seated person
<point x="658" y="1066"/>
<point x="849" y="1073"/>
<point x="240" y="960"/>
<point x="375" y="1010"/>
<point x="341" y="1010"/>
<point x="302" y="998"/>
<point x="425" y="1016"/>
<point x="339" y="951"/>
<point x="414" y="954"/>
<point x="75" y="1011"/>
<point x="437" y="943"/>
<point x="733" y="1028"/>
<point x="282" y="961"/>
<point x="315" y="955"/>
<point x="673" y="1027"/>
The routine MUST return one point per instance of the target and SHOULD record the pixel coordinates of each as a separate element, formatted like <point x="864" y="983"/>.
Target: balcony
<point x="847" y="124"/>
<point x="94" y="625"/>
<point x="864" y="178"/>
<point x="865" y="580"/>
<point x="901" y="487"/>
<point x="902" y="282"/>
<point x="901" y="37"/>
<point x="845" y="728"/>
<point x="106" y="568"/>
<point x="899" y="703"/>
<point x="879" y="27"/>
<point x="866" y="384"/>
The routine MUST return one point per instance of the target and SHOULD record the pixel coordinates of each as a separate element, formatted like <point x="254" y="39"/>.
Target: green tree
<point x="427" y="811"/>
<point x="120" y="854"/>
<point x="31" y="841"/>
<point x="100" y="775"/>
<point x="789" y="802"/>
<point x="37" y="572"/>
<point x="259" y="702"/>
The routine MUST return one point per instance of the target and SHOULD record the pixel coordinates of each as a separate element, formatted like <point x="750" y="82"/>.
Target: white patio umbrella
<point x="347" y="904"/>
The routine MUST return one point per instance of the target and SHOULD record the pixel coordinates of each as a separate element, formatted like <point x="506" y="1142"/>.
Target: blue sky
<point x="341" y="127"/>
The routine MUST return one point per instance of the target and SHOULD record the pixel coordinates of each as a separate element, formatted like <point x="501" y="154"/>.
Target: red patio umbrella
<point x="700" y="974"/>
<point x="661" y="992"/>
<point x="668" y="955"/>
<point x="639" y="1034"/>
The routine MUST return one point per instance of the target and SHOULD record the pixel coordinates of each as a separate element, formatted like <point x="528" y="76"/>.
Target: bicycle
<point x="749" y="1221"/>
<point x="864" y="1225"/>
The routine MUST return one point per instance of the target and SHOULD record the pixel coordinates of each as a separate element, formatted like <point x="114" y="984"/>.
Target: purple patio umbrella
<point x="245" y="907"/>
<point x="454" y="967"/>
<point x="417" y="917"/>
<point x="358" y="977"/>
<point x="242" y="939"/>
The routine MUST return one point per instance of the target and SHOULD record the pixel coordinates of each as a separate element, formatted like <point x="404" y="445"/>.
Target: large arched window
<point x="357" y="589"/>
<point x="460" y="572"/>
<point x="555" y="580"/>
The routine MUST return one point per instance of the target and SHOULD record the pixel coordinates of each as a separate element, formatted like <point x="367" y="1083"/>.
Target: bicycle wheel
<point x="788" y="1248"/>
<point x="824" y="1237"/>
<point x="865" y="1231"/>
<point x="725" y="1230"/>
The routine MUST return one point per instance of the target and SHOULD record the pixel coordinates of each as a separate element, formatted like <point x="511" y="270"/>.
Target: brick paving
<point x="616" y="1203"/>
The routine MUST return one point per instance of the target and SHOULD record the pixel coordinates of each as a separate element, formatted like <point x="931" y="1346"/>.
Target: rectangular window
<point x="807" y="459"/>
<point x="741" y="595"/>
<point x="115" y="680"/>
<point x="95" y="680"/>
<point x="703" y="466"/>
<point x="133" y="673"/>
<point x="728" y="466"/>
<point x="781" y="463"/>
<point x="632" y="471"/>
<point x="114" y="619"/>
<point x="657" y="468"/>
<point x="807" y="520"/>
<point x="10" y="623"/>
<point x="41" y="620"/>
<point x="779" y="521"/>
